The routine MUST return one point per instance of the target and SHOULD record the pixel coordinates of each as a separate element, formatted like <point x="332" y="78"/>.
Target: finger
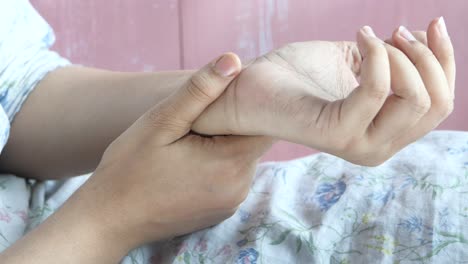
<point x="427" y="64"/>
<point x="406" y="106"/>
<point x="352" y="56"/>
<point x="421" y="36"/>
<point x="434" y="80"/>
<point x="441" y="45"/>
<point x="363" y="104"/>
<point x="173" y="117"/>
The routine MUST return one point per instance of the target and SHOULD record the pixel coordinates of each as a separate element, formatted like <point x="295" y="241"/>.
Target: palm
<point x="319" y="68"/>
<point x="283" y="88"/>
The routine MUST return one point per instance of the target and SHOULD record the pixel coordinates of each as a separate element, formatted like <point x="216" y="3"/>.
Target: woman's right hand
<point x="157" y="180"/>
<point x="154" y="182"/>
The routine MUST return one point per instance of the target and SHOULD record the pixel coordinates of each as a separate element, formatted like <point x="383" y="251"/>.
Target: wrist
<point x="91" y="228"/>
<point x="74" y="234"/>
<point x="108" y="226"/>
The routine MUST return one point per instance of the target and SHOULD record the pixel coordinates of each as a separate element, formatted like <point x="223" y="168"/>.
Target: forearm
<point x="75" y="113"/>
<point x="74" y="234"/>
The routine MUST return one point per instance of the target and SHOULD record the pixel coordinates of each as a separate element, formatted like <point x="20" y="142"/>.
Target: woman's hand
<point x="309" y="93"/>
<point x="169" y="181"/>
<point x="155" y="181"/>
<point x="320" y="94"/>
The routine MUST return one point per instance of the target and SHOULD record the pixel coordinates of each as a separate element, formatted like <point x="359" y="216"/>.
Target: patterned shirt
<point x="25" y="57"/>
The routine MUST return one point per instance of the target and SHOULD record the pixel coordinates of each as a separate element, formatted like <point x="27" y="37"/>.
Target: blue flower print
<point x="383" y="195"/>
<point x="328" y="194"/>
<point x="247" y="256"/>
<point x="242" y="242"/>
<point x="412" y="224"/>
<point x="458" y="150"/>
<point x="244" y="215"/>
<point x="445" y="220"/>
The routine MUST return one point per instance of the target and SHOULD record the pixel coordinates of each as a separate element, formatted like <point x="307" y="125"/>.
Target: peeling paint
<point x="270" y="11"/>
<point x="265" y="38"/>
<point x="246" y="40"/>
<point x="135" y="60"/>
<point x="148" y="68"/>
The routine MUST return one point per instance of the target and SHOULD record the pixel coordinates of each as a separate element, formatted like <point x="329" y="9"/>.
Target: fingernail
<point x="406" y="34"/>
<point x="442" y="27"/>
<point x="368" y="31"/>
<point x="225" y="66"/>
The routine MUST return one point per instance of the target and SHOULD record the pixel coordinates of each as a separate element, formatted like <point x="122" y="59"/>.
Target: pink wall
<point x="152" y="35"/>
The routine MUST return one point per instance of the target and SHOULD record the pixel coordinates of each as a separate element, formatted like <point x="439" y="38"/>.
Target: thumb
<point x="174" y="116"/>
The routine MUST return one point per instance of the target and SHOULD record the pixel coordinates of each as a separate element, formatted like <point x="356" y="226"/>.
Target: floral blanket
<point x="318" y="209"/>
<point x="321" y="209"/>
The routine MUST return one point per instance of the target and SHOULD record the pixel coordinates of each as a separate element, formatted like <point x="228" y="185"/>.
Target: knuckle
<point x="446" y="109"/>
<point x="378" y="93"/>
<point x="424" y="55"/>
<point x="412" y="93"/>
<point x="164" y="119"/>
<point x="377" y="49"/>
<point x="422" y="104"/>
<point x="447" y="53"/>
<point x="394" y="52"/>
<point x="199" y="87"/>
<point x="156" y="117"/>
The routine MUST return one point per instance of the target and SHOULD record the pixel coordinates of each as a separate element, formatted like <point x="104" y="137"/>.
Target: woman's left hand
<point x="324" y="95"/>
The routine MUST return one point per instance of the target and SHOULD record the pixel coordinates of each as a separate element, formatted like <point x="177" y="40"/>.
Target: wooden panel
<point x="147" y="35"/>
<point x="122" y="35"/>
<point x="253" y="27"/>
